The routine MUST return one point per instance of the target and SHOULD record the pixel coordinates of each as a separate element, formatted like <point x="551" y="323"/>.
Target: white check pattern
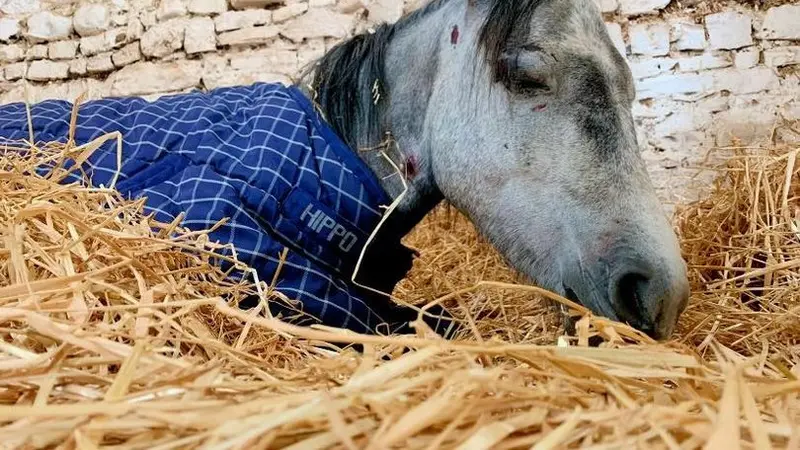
<point x="239" y="153"/>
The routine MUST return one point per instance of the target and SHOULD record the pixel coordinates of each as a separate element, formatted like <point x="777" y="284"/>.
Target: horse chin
<point x="566" y="318"/>
<point x="569" y="322"/>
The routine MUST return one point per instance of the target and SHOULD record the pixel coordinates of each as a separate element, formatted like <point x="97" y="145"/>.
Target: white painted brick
<point x="712" y="104"/>
<point x="200" y="36"/>
<point x="163" y="38"/>
<point x="177" y="56"/>
<point x="678" y="122"/>
<point x="20" y="7"/>
<point x="232" y="77"/>
<point x="69" y="91"/>
<point x="91" y="19"/>
<point x="748" y="81"/>
<point x="672" y="146"/>
<point x="311" y="51"/>
<point x="688" y="36"/>
<point x="119" y="19"/>
<point x="77" y="66"/>
<point x="111" y="39"/>
<point x="46" y="26"/>
<point x="234" y="20"/>
<point x="127" y="55"/>
<point x="639" y="7"/>
<point x="706" y="61"/>
<point x="267" y="60"/>
<point x="148" y="78"/>
<point x="133" y="31"/>
<point x="615" y="33"/>
<point x="93" y="45"/>
<point x="36" y="52"/>
<point x="746" y="59"/>
<point x="765" y="98"/>
<point x="729" y="30"/>
<point x="650" y="39"/>
<point x="249" y="36"/>
<point x="214" y="63"/>
<point x="47" y="70"/>
<point x="11" y="53"/>
<point x="319" y="23"/>
<point x="8" y="28"/>
<point x="792" y="111"/>
<point x="782" y="56"/>
<point x="288" y="12"/>
<point x="747" y="126"/>
<point x="352" y="6"/>
<point x="667" y="85"/>
<point x="62" y="49"/>
<point x="16" y="71"/>
<point x="652" y="67"/>
<point x="99" y="63"/>
<point x="782" y="22"/>
<point x="148" y="19"/>
<point x="206" y="7"/>
<point x="170" y="9"/>
<point x="385" y="11"/>
<point x="607" y="6"/>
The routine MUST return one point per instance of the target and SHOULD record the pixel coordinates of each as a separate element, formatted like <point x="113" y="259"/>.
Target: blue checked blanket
<point x="261" y="157"/>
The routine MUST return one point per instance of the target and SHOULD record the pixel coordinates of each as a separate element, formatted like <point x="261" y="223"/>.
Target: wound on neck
<point x="411" y="167"/>
<point x="454" y="35"/>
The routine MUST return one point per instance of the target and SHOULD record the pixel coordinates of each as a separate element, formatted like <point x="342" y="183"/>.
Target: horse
<point x="518" y="114"/>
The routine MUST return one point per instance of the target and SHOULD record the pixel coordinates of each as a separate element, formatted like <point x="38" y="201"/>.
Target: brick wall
<point x="705" y="71"/>
<point x="706" y="74"/>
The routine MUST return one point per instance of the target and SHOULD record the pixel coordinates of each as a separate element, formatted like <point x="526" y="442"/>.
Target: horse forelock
<point x="507" y="24"/>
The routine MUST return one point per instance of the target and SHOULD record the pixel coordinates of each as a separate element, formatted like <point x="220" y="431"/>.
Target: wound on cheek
<point x="539" y="108"/>
<point x="454" y="35"/>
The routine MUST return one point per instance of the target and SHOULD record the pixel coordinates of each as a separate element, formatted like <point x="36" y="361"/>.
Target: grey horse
<point x="518" y="113"/>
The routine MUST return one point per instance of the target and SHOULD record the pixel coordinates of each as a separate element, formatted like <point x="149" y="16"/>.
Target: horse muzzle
<point x="649" y="296"/>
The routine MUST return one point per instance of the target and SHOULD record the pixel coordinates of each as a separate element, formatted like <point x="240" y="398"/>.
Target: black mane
<point x="343" y="80"/>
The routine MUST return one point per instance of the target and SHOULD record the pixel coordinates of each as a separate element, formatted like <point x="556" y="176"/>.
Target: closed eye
<point x="528" y="71"/>
<point x="530" y="86"/>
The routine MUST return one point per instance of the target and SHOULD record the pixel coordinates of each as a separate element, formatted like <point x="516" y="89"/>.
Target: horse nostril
<point x="628" y="297"/>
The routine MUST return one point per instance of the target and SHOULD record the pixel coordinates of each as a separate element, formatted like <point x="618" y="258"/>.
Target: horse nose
<point x="650" y="301"/>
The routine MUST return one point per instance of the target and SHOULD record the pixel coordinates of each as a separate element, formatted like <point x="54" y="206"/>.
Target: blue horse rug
<point x="261" y="157"/>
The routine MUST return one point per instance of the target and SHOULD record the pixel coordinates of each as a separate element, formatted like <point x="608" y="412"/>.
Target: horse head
<point x="518" y="113"/>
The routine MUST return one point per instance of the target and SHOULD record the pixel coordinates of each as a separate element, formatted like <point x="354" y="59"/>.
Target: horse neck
<point x="410" y="74"/>
<point x="408" y="54"/>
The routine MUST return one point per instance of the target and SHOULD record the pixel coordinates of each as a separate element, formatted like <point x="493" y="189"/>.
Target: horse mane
<point x="346" y="79"/>
<point x="339" y="84"/>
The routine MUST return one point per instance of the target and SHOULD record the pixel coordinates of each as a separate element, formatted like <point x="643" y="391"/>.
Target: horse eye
<point x="526" y="71"/>
<point x="529" y="85"/>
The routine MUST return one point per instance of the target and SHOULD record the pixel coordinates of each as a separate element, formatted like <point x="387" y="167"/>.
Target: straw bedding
<point x="118" y="332"/>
